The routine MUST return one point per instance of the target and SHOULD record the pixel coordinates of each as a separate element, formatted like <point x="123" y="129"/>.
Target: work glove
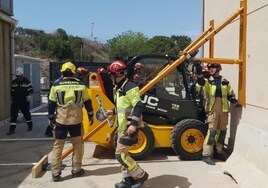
<point x="129" y="138"/>
<point x="224" y="82"/>
<point x="50" y="128"/>
<point x="90" y="118"/>
<point x="198" y="68"/>
<point x="235" y="103"/>
<point x="52" y="118"/>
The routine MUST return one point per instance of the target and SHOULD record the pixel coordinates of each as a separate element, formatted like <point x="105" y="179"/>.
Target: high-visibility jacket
<point x="128" y="102"/>
<point x="210" y="91"/>
<point x="68" y="96"/>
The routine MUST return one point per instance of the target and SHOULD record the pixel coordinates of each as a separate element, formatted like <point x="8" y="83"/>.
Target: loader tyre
<point x="187" y="139"/>
<point x="145" y="144"/>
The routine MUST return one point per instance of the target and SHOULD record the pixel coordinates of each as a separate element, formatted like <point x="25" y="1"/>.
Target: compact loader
<point x="172" y="116"/>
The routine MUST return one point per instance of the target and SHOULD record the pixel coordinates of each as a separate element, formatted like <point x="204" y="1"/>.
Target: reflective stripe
<point x="135" y="118"/>
<point x="130" y="166"/>
<point x="60" y="97"/>
<point x="78" y="96"/>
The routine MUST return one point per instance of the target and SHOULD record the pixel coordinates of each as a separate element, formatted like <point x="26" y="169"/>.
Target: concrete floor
<point x="19" y="153"/>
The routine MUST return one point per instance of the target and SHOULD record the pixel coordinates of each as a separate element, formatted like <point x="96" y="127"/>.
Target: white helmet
<point x="19" y="71"/>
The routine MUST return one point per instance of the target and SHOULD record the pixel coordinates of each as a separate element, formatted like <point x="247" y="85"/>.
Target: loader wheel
<point x="187" y="139"/>
<point x="145" y="144"/>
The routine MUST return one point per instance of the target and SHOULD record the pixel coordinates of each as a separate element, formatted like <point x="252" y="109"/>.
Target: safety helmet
<point x="214" y="65"/>
<point x="137" y="66"/>
<point x="117" y="67"/>
<point x="19" y="71"/>
<point x="81" y="70"/>
<point x="68" y="65"/>
<point x="204" y="68"/>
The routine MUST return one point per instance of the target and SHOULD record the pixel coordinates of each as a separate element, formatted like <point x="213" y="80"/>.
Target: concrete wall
<point x="7" y="25"/>
<point x="5" y="69"/>
<point x="248" y="132"/>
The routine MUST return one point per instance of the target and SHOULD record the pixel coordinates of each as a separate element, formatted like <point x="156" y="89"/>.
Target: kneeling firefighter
<point x="128" y="103"/>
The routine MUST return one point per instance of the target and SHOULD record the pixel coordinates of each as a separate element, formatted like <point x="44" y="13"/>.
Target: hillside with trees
<point x="59" y="46"/>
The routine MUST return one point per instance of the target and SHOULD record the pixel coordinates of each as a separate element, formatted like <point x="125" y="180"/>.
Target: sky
<point x="102" y="20"/>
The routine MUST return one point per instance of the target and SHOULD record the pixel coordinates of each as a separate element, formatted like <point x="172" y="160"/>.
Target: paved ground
<point x="21" y="151"/>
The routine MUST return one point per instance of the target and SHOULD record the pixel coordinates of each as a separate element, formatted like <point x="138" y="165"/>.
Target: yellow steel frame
<point x="201" y="40"/>
<point x="208" y="35"/>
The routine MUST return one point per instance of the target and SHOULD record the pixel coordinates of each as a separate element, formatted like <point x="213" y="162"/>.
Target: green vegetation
<point x="60" y="46"/>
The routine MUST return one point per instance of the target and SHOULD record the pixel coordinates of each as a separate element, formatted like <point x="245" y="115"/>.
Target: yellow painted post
<point x="211" y="41"/>
<point x="242" y="54"/>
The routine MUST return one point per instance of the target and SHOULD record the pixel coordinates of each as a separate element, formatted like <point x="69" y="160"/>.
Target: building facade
<point x="248" y="129"/>
<point x="7" y="25"/>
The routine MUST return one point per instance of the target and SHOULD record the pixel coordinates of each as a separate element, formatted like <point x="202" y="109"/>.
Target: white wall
<point x="226" y="45"/>
<point x="249" y="127"/>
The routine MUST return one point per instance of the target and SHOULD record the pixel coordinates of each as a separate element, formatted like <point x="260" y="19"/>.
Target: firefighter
<point x="21" y="92"/>
<point x="218" y="92"/>
<point x="138" y="77"/>
<point x="128" y="104"/>
<point x="81" y="73"/>
<point x="67" y="97"/>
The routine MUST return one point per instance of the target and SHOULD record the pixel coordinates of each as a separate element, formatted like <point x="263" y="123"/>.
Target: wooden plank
<point x="38" y="168"/>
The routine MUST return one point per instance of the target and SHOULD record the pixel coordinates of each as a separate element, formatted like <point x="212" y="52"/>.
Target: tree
<point x="127" y="44"/>
<point x="181" y="42"/>
<point x="59" y="46"/>
<point x="168" y="45"/>
<point x="160" y="45"/>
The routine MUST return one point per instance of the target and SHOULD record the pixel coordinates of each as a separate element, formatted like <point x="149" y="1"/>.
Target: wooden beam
<point x="39" y="167"/>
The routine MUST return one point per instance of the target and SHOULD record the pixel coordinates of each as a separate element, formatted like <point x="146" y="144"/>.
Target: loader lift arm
<point x="208" y="36"/>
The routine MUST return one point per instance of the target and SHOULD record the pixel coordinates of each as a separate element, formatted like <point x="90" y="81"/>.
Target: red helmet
<point x="117" y="67"/>
<point x="81" y="70"/>
<point x="204" y="68"/>
<point x="137" y="66"/>
<point x="215" y="65"/>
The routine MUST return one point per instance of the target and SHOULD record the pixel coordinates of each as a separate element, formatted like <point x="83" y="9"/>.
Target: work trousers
<point x="217" y="123"/>
<point x="25" y="109"/>
<point x="61" y="132"/>
<point x="129" y="165"/>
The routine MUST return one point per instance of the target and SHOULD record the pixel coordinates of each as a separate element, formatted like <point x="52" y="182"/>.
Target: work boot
<point x="30" y="126"/>
<point x="125" y="183"/>
<point x="56" y="178"/>
<point x="208" y="159"/>
<point x="78" y="174"/>
<point x="140" y="181"/>
<point x="10" y="132"/>
<point x="220" y="156"/>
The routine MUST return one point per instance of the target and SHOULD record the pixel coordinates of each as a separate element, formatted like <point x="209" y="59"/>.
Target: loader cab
<point x="169" y="100"/>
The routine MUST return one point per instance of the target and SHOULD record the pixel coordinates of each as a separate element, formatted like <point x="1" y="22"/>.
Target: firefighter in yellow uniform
<point x="218" y="92"/>
<point x="67" y="98"/>
<point x="128" y="103"/>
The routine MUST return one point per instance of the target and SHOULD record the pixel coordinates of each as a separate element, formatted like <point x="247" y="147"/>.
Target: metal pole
<point x="92" y="26"/>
